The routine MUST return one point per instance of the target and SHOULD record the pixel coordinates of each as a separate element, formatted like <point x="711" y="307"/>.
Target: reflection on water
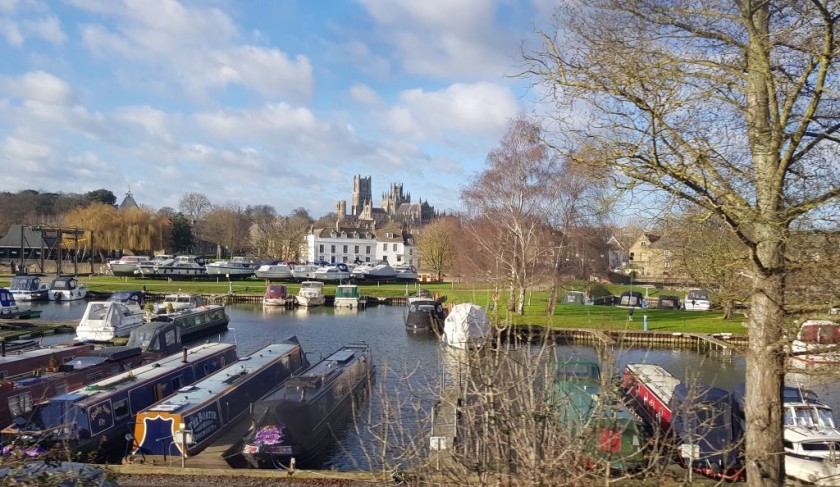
<point x="410" y="365"/>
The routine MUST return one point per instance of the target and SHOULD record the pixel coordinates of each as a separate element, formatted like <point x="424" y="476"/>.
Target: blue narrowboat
<point x="189" y="421"/>
<point x="300" y="418"/>
<point x="96" y="417"/>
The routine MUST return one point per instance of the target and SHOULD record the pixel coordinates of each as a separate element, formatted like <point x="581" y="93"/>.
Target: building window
<point x="332" y="249"/>
<point x="345" y="249"/>
<point x="399" y="258"/>
<point x="356" y="251"/>
<point x="395" y="247"/>
<point x="411" y="251"/>
<point x="321" y="248"/>
<point x="384" y="247"/>
<point x="368" y="251"/>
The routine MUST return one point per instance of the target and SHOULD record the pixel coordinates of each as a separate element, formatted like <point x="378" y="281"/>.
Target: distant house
<point x="655" y="258"/>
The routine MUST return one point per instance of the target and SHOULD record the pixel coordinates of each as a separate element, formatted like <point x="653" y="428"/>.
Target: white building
<point x="358" y="245"/>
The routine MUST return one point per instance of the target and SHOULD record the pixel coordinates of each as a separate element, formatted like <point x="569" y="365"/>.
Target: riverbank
<point x="564" y="316"/>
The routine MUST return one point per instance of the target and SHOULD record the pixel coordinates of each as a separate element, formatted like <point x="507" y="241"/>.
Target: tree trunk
<point x="765" y="365"/>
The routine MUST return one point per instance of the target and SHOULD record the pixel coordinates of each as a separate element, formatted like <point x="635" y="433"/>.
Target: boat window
<point x="788" y="418"/>
<point x="20" y="404"/>
<point x="95" y="377"/>
<point x="804" y="417"/>
<point x="826" y="419"/>
<point x="121" y="409"/>
<point x="97" y="311"/>
<point x="176" y="383"/>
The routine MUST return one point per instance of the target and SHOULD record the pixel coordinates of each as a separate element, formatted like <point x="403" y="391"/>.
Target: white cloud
<point x="10" y="31"/>
<point x="478" y="109"/>
<point x="8" y="6"/>
<point x="48" y="28"/>
<point x="154" y="122"/>
<point x="38" y="86"/>
<point x="22" y="150"/>
<point x="447" y="38"/>
<point x="196" y="46"/>
<point x="365" y="94"/>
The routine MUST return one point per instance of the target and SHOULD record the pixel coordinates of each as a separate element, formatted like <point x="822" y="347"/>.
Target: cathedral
<point x="396" y="206"/>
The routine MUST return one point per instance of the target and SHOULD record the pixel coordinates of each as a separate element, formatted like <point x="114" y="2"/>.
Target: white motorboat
<point x="311" y="294"/>
<point x="347" y="296"/>
<point x="274" y="272"/>
<point x="304" y="272"/>
<point x="466" y="327"/>
<point x="127" y="265"/>
<point x="817" y="344"/>
<point x="181" y="267"/>
<point x="8" y="306"/>
<point x="148" y="267"/>
<point x="405" y="272"/>
<point x="332" y="273"/>
<point x="66" y="288"/>
<point x="29" y="288"/>
<point x="235" y="268"/>
<point x="369" y="271"/>
<point x="697" y="300"/>
<point x="172" y="303"/>
<point x="103" y="321"/>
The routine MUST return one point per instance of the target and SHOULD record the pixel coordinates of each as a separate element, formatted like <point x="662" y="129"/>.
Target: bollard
<point x="644" y="322"/>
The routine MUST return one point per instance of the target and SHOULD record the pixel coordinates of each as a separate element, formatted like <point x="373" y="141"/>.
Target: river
<point x="409" y="364"/>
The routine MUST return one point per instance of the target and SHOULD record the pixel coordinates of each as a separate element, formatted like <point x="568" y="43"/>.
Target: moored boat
<point x="301" y="417"/>
<point x="817" y="345"/>
<point x="277" y="295"/>
<point x="17" y="363"/>
<point x="178" y="302"/>
<point x="696" y="419"/>
<point x="210" y="405"/>
<point x="66" y="288"/>
<point x="29" y="288"/>
<point x="148" y="343"/>
<point x="8" y="305"/>
<point x="304" y="272"/>
<point x="197" y="322"/>
<point x="405" y="273"/>
<point x="311" y="294"/>
<point x="466" y="327"/>
<point x="95" y="418"/>
<point x="425" y="314"/>
<point x="610" y="435"/>
<point x="103" y="321"/>
<point x="347" y="296"/>
<point x="811" y="437"/>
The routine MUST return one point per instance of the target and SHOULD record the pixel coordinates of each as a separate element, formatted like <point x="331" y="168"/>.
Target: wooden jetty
<point x="444" y="435"/>
<point x="15" y="330"/>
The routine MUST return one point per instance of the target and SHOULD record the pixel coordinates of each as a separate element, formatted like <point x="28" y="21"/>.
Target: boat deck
<point x="224" y="453"/>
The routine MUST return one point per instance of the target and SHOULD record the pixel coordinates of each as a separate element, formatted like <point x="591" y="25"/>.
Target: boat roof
<point x="318" y="374"/>
<point x="211" y="386"/>
<point x="131" y="378"/>
<point x="656" y="379"/>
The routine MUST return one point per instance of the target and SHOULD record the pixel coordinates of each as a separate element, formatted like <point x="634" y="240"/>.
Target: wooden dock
<point x="222" y="454"/>
<point x="16" y="329"/>
<point x="444" y="435"/>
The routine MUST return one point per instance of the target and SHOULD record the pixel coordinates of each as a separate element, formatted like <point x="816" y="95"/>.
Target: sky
<point x="259" y="102"/>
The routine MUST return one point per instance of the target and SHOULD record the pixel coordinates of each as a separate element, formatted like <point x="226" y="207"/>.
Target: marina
<point x="415" y="361"/>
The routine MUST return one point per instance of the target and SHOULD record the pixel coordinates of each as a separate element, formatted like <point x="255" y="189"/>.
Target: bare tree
<point x="514" y="195"/>
<point x="194" y="206"/>
<point x="436" y="246"/>
<point x="730" y="106"/>
<point x="228" y="227"/>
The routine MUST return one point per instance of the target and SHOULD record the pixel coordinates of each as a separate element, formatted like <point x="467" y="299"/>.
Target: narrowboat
<point x="300" y="418"/>
<point x="29" y="288"/>
<point x="197" y="322"/>
<point x="212" y="404"/>
<point x="96" y="417"/>
<point x="696" y="419"/>
<point x="31" y="361"/>
<point x="612" y="436"/>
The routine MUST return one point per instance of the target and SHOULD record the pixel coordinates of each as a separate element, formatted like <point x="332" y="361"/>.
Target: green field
<point x="565" y="316"/>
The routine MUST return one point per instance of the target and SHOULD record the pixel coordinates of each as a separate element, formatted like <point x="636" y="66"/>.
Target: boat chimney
<point x="184" y="359"/>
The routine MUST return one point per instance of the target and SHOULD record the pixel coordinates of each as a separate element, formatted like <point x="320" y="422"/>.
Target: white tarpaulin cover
<point x="466" y="326"/>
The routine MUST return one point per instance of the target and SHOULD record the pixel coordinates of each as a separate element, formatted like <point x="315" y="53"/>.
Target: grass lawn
<point x="565" y="316"/>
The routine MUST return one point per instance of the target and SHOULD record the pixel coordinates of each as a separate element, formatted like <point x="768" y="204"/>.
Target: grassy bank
<point x="565" y="316"/>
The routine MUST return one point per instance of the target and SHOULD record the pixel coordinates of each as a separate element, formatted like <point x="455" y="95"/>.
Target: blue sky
<point x="274" y="102"/>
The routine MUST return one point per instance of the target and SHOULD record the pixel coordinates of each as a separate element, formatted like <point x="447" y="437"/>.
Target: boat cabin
<point x="8" y="306"/>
